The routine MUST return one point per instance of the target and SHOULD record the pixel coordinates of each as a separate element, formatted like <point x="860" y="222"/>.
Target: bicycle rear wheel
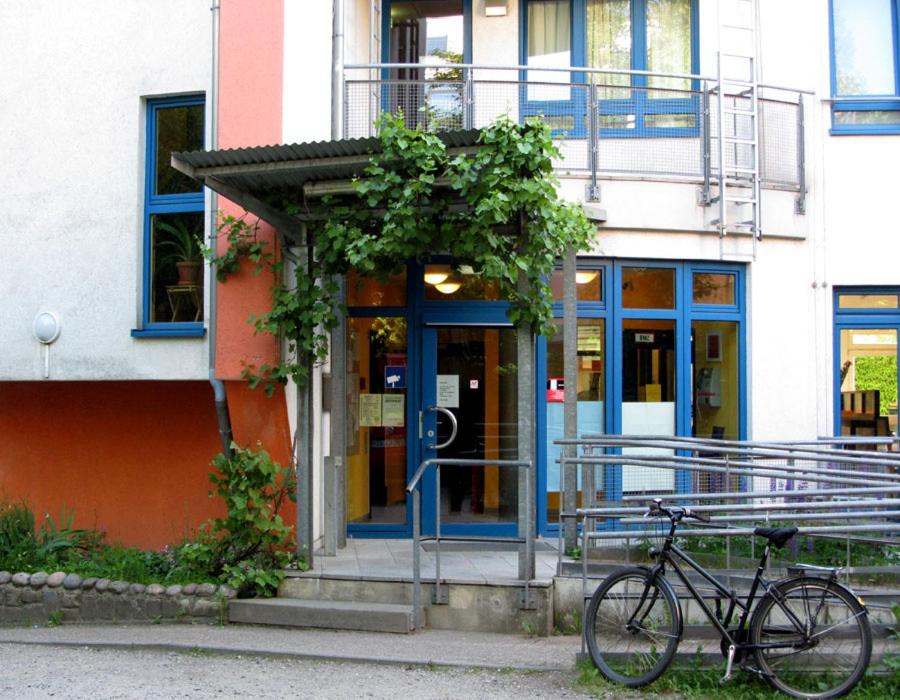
<point x="632" y="627"/>
<point x="821" y="634"/>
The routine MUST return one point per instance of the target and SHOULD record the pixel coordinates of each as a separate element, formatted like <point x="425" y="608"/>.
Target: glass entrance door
<point x="470" y="372"/>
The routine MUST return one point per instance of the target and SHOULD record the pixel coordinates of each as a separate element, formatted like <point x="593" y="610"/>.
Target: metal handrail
<point x="550" y="69"/>
<point x="414" y="488"/>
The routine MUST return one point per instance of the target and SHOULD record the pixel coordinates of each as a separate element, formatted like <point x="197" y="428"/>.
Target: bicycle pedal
<point x="727" y="677"/>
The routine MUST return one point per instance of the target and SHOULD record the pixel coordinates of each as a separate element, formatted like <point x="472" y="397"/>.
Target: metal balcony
<point x="608" y="124"/>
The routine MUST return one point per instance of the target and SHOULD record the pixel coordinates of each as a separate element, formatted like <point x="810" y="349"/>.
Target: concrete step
<point x="327" y="614"/>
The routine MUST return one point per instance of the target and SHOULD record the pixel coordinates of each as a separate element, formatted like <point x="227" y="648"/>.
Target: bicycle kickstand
<point x="727" y="676"/>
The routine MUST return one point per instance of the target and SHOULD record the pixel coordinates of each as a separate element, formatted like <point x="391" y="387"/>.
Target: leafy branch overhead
<point x="495" y="209"/>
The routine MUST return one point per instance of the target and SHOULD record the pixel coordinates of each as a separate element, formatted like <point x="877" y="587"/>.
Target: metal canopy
<point x="253" y="177"/>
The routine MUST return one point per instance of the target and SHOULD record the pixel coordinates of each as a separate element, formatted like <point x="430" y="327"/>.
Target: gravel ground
<point x="78" y="672"/>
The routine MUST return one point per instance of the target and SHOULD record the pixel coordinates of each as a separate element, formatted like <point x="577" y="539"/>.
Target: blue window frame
<point x="173" y="222"/>
<point x="865" y="66"/>
<point x="636" y="35"/>
<point x="720" y="299"/>
<point x="866" y="331"/>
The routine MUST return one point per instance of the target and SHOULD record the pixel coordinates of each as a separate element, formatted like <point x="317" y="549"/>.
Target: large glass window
<point x="864" y="65"/>
<point x="173" y="220"/>
<point x="617" y="35"/>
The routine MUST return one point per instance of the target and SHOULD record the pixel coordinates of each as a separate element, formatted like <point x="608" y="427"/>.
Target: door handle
<point x="453" y="428"/>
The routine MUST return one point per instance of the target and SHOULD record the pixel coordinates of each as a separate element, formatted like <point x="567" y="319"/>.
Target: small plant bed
<point x="247" y="550"/>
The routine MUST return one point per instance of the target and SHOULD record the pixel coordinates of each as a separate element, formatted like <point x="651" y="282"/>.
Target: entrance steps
<point x="326" y="614"/>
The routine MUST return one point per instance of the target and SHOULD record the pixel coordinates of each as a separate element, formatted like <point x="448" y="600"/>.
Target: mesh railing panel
<point x="641" y="131"/>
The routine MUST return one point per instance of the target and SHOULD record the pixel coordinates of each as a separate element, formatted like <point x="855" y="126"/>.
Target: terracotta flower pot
<point x="189" y="273"/>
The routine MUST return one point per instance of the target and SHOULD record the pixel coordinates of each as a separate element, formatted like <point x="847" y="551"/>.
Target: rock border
<point x="41" y="598"/>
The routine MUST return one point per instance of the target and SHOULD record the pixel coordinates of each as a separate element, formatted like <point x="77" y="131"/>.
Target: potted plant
<point x="183" y="248"/>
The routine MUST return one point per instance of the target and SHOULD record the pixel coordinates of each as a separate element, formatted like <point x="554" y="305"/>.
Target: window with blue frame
<point x="865" y="79"/>
<point x="660" y="350"/>
<point x="866" y="379"/>
<point x="619" y="35"/>
<point x="173" y="221"/>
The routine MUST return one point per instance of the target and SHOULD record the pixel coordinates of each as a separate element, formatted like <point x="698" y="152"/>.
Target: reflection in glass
<point x="177" y="129"/>
<point x="377" y="383"/>
<point x="669" y="42"/>
<point x="480" y="363"/>
<point x="458" y="283"/>
<point x="588" y="285"/>
<point x="648" y="288"/>
<point x="591" y="400"/>
<point x="868" y="381"/>
<point x="176" y="268"/>
<point x="714" y="288"/>
<point x="609" y="43"/>
<point x="863" y="45"/>
<point x="868" y="301"/>
<point x="370" y="291"/>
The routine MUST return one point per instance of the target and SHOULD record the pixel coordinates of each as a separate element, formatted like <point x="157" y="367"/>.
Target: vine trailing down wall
<point x="495" y="209"/>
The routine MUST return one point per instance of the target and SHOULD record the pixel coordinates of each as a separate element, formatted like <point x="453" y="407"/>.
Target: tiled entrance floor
<point x="392" y="559"/>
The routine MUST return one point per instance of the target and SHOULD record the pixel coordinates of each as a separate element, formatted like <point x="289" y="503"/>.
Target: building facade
<point x="742" y="282"/>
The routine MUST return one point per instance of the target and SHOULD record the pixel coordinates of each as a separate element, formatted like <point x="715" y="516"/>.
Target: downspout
<point x="337" y="68"/>
<point x="221" y="400"/>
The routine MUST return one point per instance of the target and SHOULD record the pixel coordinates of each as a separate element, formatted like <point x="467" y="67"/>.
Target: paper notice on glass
<point x="448" y="390"/>
<point x="369" y="410"/>
<point x="392" y="413"/>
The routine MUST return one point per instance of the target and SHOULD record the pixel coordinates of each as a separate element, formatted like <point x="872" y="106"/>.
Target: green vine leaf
<point x="495" y="209"/>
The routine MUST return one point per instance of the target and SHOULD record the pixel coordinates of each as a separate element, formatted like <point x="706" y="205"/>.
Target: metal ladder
<point x="737" y="173"/>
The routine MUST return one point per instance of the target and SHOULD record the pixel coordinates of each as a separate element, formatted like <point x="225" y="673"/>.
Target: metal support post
<point x="593" y="189"/>
<point x="706" y="146"/>
<point x="468" y="99"/>
<point x="526" y="435"/>
<point x="800" y="207"/>
<point x="570" y="395"/>
<point x="338" y="518"/>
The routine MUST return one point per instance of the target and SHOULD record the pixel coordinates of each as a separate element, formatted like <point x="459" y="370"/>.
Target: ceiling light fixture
<point x="436" y="277"/>
<point x="448" y="287"/>
<point x="585" y="276"/>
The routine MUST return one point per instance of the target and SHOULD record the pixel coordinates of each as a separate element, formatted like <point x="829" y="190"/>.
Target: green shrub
<point x="880" y="373"/>
<point x="251" y="545"/>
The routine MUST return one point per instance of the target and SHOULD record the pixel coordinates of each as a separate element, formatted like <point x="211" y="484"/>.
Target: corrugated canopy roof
<point x="251" y="176"/>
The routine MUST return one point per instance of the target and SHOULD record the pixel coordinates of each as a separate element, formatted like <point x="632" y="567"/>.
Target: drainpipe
<point x="337" y="68"/>
<point x="221" y="400"/>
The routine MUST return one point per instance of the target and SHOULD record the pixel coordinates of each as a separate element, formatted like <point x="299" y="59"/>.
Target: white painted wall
<point x="71" y="185"/>
<point x="307" y="71"/>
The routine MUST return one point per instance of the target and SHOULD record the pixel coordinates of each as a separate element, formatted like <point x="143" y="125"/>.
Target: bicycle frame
<point x="671" y="554"/>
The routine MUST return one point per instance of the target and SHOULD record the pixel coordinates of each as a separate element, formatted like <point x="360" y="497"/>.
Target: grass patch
<point x="697" y="684"/>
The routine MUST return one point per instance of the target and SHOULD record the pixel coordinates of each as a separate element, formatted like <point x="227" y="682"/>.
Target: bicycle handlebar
<point x="674" y="513"/>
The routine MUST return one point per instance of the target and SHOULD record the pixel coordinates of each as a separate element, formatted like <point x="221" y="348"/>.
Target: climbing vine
<point x="495" y="208"/>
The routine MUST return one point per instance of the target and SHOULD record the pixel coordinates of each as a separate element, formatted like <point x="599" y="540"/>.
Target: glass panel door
<point x="470" y="371"/>
<point x="648" y="397"/>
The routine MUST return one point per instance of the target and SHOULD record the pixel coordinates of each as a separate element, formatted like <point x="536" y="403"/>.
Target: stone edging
<point x="42" y="598"/>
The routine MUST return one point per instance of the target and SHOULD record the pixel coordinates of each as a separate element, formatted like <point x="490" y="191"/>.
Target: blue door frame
<point x="424" y="316"/>
<point x="859" y="319"/>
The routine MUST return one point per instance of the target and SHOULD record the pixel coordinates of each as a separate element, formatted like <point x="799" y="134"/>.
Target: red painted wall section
<point x="251" y="54"/>
<point x="131" y="458"/>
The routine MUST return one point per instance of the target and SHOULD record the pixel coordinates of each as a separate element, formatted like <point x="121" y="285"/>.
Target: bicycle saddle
<point x="776" y="535"/>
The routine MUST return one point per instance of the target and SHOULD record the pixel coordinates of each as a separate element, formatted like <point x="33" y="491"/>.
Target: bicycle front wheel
<point x="632" y="627"/>
<point x="813" y="638"/>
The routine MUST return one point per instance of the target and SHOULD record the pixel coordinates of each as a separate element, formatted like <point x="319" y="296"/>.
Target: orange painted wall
<point x="251" y="41"/>
<point x="131" y="458"/>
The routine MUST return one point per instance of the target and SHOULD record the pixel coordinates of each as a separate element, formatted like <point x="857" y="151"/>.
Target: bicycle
<point x="810" y="635"/>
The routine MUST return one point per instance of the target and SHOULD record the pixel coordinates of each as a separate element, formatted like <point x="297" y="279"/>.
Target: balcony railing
<point x="607" y="123"/>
